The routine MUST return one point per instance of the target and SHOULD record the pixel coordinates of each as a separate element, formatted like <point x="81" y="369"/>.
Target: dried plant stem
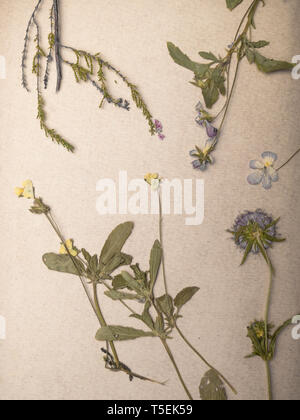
<point x="203" y="359"/>
<point x="57" y="44"/>
<point x="267" y="312"/>
<point x="170" y="354"/>
<point x="161" y="242"/>
<point x="104" y="324"/>
<point x="288" y="161"/>
<point x="95" y="304"/>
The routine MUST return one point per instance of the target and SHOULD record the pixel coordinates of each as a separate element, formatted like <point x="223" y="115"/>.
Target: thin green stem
<point x="267" y="312"/>
<point x="104" y="324"/>
<point x="269" y="380"/>
<point x="95" y="304"/>
<point x="203" y="359"/>
<point x="288" y="161"/>
<point x="161" y="242"/>
<point x="168" y="350"/>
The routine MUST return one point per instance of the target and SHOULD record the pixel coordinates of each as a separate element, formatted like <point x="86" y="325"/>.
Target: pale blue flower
<point x="265" y="172"/>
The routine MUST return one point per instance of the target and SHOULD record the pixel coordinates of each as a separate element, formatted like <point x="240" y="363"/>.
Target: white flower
<point x="265" y="172"/>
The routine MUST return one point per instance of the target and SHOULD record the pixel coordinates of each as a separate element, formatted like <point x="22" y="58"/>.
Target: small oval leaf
<point x="185" y="296"/>
<point x="62" y="263"/>
<point x="212" y="388"/>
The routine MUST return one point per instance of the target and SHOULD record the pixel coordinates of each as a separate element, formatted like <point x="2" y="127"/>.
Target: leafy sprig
<point x="213" y="76"/>
<point x="82" y="72"/>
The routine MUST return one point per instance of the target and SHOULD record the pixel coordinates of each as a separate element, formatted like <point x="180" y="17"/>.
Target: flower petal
<point x="274" y="175"/>
<point x="193" y="153"/>
<point x="255" y="178"/>
<point x="196" y="164"/>
<point x="270" y="157"/>
<point x="199" y="107"/>
<point x="256" y="164"/>
<point x="267" y="182"/>
<point x="211" y="130"/>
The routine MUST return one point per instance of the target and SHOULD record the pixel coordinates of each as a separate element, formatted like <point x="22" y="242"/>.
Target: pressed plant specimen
<point x="255" y="233"/>
<point x="214" y="77"/>
<point x="160" y="315"/>
<point x="87" y="67"/>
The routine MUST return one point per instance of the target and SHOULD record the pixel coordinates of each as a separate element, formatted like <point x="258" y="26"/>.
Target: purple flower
<point x="203" y="157"/>
<point x="255" y="232"/>
<point x="159" y="129"/>
<point x="204" y="119"/>
<point x="211" y="130"/>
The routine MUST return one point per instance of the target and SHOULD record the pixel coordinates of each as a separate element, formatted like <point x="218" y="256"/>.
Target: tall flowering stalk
<point x="87" y="68"/>
<point x="255" y="233"/>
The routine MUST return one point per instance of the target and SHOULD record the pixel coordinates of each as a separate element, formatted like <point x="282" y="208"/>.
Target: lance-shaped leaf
<point x="165" y="304"/>
<point x="131" y="282"/>
<point x="119" y="333"/>
<point x="117" y="261"/>
<point x="232" y="4"/>
<point x="212" y="388"/>
<point x="185" y="296"/>
<point x="183" y="60"/>
<point x="267" y="65"/>
<point x="145" y="317"/>
<point x="62" y="264"/>
<point x="119" y="282"/>
<point x="155" y="261"/>
<point x="116" y="295"/>
<point x="115" y="243"/>
<point x="258" y="44"/>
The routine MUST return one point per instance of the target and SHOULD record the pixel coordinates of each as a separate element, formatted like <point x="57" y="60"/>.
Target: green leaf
<point x="115" y="295"/>
<point x="258" y="44"/>
<point x="212" y="388"/>
<point x="276" y="335"/>
<point x="131" y="282"/>
<point x="208" y="56"/>
<point x="62" y="264"/>
<point x="165" y="304"/>
<point x="210" y="93"/>
<point x="117" y="261"/>
<point x="146" y="316"/>
<point x="232" y="4"/>
<point x="119" y="282"/>
<point x="118" y="333"/>
<point x="183" y="60"/>
<point x="250" y="56"/>
<point x="115" y="242"/>
<point x="185" y="296"/>
<point x="267" y="65"/>
<point x="155" y="261"/>
<point x="247" y="252"/>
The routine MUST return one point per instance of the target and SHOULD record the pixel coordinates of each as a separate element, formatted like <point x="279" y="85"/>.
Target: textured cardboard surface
<point x="50" y="351"/>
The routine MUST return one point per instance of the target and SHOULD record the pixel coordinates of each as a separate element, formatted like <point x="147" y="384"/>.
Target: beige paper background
<point x="50" y="351"/>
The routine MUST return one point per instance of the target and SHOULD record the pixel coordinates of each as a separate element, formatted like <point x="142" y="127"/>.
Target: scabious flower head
<point x="255" y="232"/>
<point x="265" y="172"/>
<point x="203" y="157"/>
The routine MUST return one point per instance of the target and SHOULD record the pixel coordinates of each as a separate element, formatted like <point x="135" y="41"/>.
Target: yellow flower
<point x="149" y="178"/>
<point x="27" y="191"/>
<point x="69" y="244"/>
<point x="153" y="180"/>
